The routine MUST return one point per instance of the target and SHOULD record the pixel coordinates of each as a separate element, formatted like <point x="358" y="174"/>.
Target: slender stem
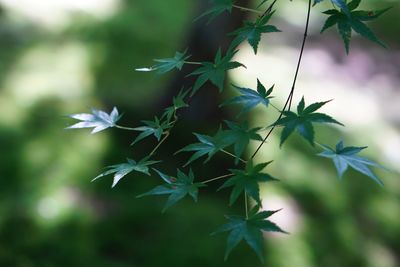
<point x="248" y="9"/>
<point x="125" y="128"/>
<point x="159" y="144"/>
<point x="318" y="144"/>
<point x="230" y="154"/>
<point x="290" y="97"/>
<point x="246" y="205"/>
<point x="193" y="62"/>
<point x="217" y="178"/>
<point x="269" y="9"/>
<point x="274" y="107"/>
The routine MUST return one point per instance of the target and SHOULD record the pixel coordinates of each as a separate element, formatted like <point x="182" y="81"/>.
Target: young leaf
<point x="247" y="180"/>
<point x="120" y="170"/>
<point x="156" y="128"/>
<point x="167" y="64"/>
<point x="177" y="188"/>
<point x="208" y="145"/>
<point x="353" y="21"/>
<point x="252" y="31"/>
<point x="240" y="134"/>
<point x="178" y="103"/>
<point x="250" y="98"/>
<point x="302" y="122"/>
<point x="343" y="157"/>
<point x="215" y="71"/>
<point x="218" y="7"/>
<point x="99" y="120"/>
<point x="248" y="229"/>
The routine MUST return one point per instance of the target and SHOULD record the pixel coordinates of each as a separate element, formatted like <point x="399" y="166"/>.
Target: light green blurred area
<point x="63" y="57"/>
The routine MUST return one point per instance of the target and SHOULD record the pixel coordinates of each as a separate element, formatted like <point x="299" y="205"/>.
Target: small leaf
<point x="99" y="120"/>
<point x="218" y="7"/>
<point x="167" y="64"/>
<point x="156" y="128"/>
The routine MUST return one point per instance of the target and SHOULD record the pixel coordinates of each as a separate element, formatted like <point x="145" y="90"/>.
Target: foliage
<point x="245" y="178"/>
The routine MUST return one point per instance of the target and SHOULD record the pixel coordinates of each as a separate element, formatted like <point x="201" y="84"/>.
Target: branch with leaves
<point x="234" y="138"/>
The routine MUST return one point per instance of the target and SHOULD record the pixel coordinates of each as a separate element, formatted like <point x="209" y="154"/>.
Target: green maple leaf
<point x="214" y="71"/>
<point x="121" y="170"/>
<point x="303" y="121"/>
<point x="247" y="181"/>
<point x="339" y="3"/>
<point x="177" y="188"/>
<point x="167" y="64"/>
<point x="156" y="128"/>
<point x="99" y="120"/>
<point x="354" y="21"/>
<point x="177" y="103"/>
<point x="248" y="229"/>
<point x="250" y="98"/>
<point x="240" y="135"/>
<point x="343" y="157"/>
<point x="218" y="7"/>
<point x="208" y="145"/>
<point x="252" y="31"/>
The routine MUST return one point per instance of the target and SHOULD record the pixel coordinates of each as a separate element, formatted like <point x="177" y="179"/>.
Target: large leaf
<point x="250" y="98"/>
<point x="240" y="135"/>
<point x="303" y="121"/>
<point x="156" y="128"/>
<point x="252" y="31"/>
<point x="343" y="157"/>
<point x="167" y="64"/>
<point x="353" y="21"/>
<point x="177" y="188"/>
<point x="99" y="120"/>
<point x="207" y="145"/>
<point x="121" y="170"/>
<point x="247" y="181"/>
<point x="218" y="7"/>
<point x="214" y="71"/>
<point x="248" y="229"/>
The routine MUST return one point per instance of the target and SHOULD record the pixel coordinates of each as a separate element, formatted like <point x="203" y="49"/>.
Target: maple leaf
<point x="354" y="21"/>
<point x="177" y="188"/>
<point x="208" y="145"/>
<point x="214" y="71"/>
<point x="240" y="135"/>
<point x="343" y="157"/>
<point x="167" y="64"/>
<point x="248" y="229"/>
<point x="251" y="98"/>
<point x="178" y="102"/>
<point x="156" y="128"/>
<point x="303" y="121"/>
<point x="99" y="120"/>
<point x="247" y="180"/>
<point x="252" y="31"/>
<point x="121" y="170"/>
<point x="339" y="3"/>
<point x="218" y="7"/>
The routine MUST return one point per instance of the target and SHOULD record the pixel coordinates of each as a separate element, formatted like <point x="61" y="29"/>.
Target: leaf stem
<point x="124" y="128"/>
<point x="248" y="9"/>
<point x="217" y="178"/>
<point x="159" y="144"/>
<point x="230" y="154"/>
<point x="290" y="97"/>
<point x="268" y="10"/>
<point x="192" y="62"/>
<point x="246" y="205"/>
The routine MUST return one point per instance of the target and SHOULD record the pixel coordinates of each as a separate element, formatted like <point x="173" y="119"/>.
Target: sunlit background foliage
<point x="62" y="57"/>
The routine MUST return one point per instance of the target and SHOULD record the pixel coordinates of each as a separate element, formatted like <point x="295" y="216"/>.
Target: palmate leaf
<point x="208" y="145"/>
<point x="248" y="229"/>
<point x="247" y="181"/>
<point x="354" y="21"/>
<point x="156" y="128"/>
<point x="218" y="7"/>
<point x="99" y="120"/>
<point x="303" y="121"/>
<point x="250" y="98"/>
<point x="240" y="135"/>
<point x="178" y="102"/>
<point x="215" y="71"/>
<point x="343" y="157"/>
<point x="167" y="64"/>
<point x="252" y="31"/>
<point x="121" y="170"/>
<point x="339" y="3"/>
<point x="177" y="188"/>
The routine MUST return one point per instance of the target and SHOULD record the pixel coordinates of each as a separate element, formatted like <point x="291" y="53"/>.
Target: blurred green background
<point x="63" y="57"/>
